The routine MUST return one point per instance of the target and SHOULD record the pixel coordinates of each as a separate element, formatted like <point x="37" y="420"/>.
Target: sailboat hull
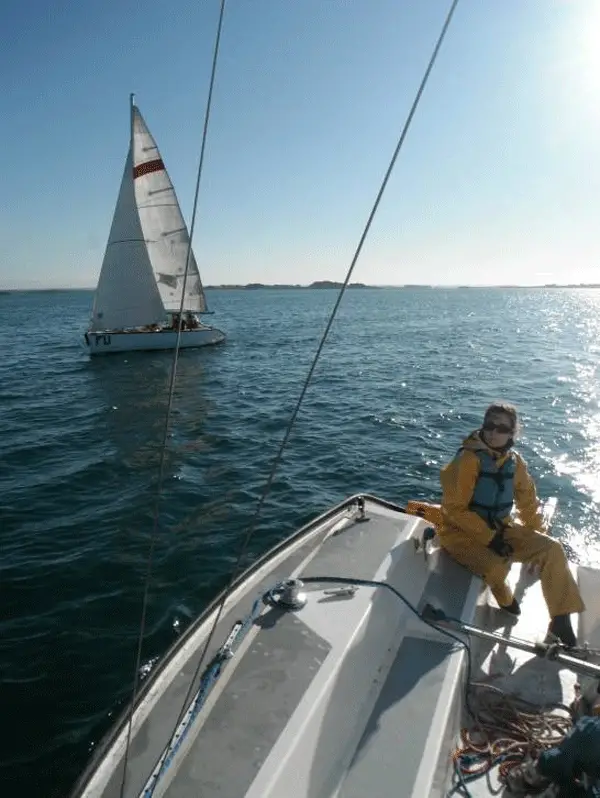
<point x="110" y="341"/>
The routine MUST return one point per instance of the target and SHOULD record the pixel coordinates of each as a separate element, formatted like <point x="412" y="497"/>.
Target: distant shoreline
<point x="328" y="284"/>
<point x="319" y="284"/>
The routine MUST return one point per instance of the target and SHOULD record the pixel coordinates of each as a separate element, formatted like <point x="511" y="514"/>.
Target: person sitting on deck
<point x="479" y="487"/>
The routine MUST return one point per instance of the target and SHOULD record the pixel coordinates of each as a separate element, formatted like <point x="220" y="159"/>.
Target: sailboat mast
<point x="131" y="107"/>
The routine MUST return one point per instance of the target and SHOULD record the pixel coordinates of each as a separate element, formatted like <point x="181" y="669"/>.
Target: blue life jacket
<point x="494" y="491"/>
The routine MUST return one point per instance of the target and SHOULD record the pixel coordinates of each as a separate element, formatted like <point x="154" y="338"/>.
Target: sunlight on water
<point x="581" y="406"/>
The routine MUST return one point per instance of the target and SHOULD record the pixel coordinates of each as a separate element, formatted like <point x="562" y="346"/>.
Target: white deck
<point x="350" y="696"/>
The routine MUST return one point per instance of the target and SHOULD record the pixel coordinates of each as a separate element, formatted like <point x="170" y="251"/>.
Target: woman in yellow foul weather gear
<point x="479" y="487"/>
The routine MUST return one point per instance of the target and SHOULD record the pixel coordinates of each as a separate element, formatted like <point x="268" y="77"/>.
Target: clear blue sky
<point x="498" y="182"/>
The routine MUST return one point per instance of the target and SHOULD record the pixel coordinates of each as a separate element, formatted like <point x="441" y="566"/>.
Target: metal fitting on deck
<point x="423" y="543"/>
<point x="360" y="503"/>
<point x="288" y="595"/>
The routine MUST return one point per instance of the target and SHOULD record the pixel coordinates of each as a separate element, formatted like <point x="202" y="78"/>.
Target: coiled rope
<point x="507" y="730"/>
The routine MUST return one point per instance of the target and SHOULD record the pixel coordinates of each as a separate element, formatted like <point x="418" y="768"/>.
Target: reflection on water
<point x="135" y="397"/>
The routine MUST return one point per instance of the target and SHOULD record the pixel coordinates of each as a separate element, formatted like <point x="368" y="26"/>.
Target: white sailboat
<point x="139" y="291"/>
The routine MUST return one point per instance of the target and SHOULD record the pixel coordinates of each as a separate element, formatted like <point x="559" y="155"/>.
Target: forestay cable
<point x="136" y="678"/>
<point x="249" y="534"/>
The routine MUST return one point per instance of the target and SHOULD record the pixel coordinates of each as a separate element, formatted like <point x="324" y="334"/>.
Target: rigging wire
<point x="149" y="564"/>
<point x="268" y="484"/>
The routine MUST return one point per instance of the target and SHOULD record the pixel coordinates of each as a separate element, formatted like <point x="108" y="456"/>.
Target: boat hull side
<point x="108" y="342"/>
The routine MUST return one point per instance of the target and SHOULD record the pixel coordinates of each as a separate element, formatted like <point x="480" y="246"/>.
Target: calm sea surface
<point x="404" y="376"/>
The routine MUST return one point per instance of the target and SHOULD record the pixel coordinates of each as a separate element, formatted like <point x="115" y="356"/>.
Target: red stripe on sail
<point x="148" y="167"/>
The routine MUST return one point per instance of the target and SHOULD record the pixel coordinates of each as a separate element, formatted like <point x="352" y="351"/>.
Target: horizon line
<point x="335" y="285"/>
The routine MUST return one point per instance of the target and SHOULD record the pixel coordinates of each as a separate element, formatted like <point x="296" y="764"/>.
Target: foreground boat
<point x="149" y="274"/>
<point x="345" y="684"/>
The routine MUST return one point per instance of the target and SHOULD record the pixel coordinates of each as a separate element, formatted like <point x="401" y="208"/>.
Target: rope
<point x="214" y="668"/>
<point x="507" y="730"/>
<point x="148" y="576"/>
<point x="421" y="615"/>
<point x="269" y="482"/>
<point x="207" y="682"/>
<point x="288" y="431"/>
<point x="201" y="162"/>
<point x="357" y="252"/>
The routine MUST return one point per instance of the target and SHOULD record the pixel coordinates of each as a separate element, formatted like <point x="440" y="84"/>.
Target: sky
<point x="498" y="181"/>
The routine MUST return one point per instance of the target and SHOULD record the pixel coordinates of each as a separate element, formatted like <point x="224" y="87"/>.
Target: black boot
<point x="525" y="779"/>
<point x="513" y="608"/>
<point x="561" y="627"/>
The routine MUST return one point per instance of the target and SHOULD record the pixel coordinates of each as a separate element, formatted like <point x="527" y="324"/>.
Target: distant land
<point x="331" y="284"/>
<point x="318" y="284"/>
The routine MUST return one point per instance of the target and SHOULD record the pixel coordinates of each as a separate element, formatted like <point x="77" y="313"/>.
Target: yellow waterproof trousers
<point x="558" y="586"/>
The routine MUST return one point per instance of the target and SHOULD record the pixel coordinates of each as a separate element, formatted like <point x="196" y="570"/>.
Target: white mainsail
<point x="144" y="264"/>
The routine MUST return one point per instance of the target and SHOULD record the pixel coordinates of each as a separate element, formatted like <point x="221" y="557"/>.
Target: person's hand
<point x="500" y="546"/>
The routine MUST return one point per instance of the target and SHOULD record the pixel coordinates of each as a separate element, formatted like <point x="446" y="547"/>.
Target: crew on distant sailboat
<point x="188" y="322"/>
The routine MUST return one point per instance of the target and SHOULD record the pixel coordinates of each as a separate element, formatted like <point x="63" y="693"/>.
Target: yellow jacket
<point x="458" y="480"/>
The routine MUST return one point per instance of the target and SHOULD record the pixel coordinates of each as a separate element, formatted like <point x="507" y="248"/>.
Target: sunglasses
<point x="503" y="429"/>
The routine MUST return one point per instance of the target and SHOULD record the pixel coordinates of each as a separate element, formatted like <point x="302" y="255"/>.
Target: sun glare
<point x="584" y="47"/>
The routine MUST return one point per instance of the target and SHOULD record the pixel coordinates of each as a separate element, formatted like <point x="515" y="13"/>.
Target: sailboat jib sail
<point x="162" y="224"/>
